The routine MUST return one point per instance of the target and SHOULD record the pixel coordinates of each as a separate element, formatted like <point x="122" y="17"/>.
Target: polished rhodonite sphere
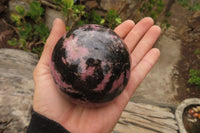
<point x="90" y="64"/>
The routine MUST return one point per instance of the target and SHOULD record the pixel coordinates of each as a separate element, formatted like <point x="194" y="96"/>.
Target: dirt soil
<point x="190" y="58"/>
<point x="7" y="31"/>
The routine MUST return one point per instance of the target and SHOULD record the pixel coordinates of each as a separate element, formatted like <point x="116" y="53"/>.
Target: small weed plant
<point x="152" y="8"/>
<point x="76" y="15"/>
<point x="192" y="5"/>
<point x="194" y="77"/>
<point x="73" y="13"/>
<point x="30" y="27"/>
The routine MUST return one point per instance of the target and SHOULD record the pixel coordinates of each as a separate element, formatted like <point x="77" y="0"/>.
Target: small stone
<point x="91" y="4"/>
<point x="13" y="3"/>
<point x="198" y="107"/>
<point x="195" y="109"/>
<point x="191" y="111"/>
<point x="112" y="4"/>
<point x="51" y="15"/>
<point x="195" y="115"/>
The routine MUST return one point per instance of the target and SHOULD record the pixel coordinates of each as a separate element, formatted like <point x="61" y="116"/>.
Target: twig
<point x="34" y="43"/>
<point x="75" y="21"/>
<point x="39" y="42"/>
<point x="14" y="28"/>
<point x="44" y="2"/>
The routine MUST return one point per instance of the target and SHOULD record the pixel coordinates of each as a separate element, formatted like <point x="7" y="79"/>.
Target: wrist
<point x="42" y="124"/>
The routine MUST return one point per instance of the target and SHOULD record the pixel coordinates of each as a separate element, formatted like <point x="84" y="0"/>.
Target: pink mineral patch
<point x="57" y="77"/>
<point x="64" y="60"/>
<point x="127" y="74"/>
<point x="75" y="52"/>
<point x="117" y="83"/>
<point x="102" y="85"/>
<point x="87" y="72"/>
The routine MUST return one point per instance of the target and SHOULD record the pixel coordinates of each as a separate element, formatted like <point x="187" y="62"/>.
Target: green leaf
<point x="159" y="10"/>
<point x="68" y="3"/>
<point x="78" y="9"/>
<point x="38" y="49"/>
<point x="154" y="15"/>
<point x="67" y="28"/>
<point x="195" y="7"/>
<point x="20" y="10"/>
<point x="112" y="18"/>
<point x="118" y="20"/>
<point x="25" y="31"/>
<point x="16" y="18"/>
<point x="194" y="77"/>
<point x="111" y="15"/>
<point x="57" y="1"/>
<point x="80" y="22"/>
<point x="168" y="14"/>
<point x="102" y="21"/>
<point x="41" y="31"/>
<point x="35" y="10"/>
<point x="22" y="43"/>
<point x="13" y="42"/>
<point x="197" y="52"/>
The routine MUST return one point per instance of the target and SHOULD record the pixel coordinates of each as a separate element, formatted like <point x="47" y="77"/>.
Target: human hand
<point x="48" y="102"/>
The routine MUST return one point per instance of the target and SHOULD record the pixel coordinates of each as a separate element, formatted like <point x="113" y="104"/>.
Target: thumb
<point x="57" y="32"/>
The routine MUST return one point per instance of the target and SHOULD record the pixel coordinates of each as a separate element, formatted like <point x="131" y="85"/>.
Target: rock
<point x="91" y="4"/>
<point x="13" y="3"/>
<point x="146" y="118"/>
<point x="100" y="12"/>
<point x="51" y="15"/>
<point x="124" y="8"/>
<point x="194" y="20"/>
<point x="16" y="89"/>
<point x="112" y="4"/>
<point x="180" y="110"/>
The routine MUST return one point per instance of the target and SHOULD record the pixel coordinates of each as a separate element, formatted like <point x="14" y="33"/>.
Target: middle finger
<point x="138" y="32"/>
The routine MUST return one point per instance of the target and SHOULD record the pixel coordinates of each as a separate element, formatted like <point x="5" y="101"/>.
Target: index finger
<point x="123" y="29"/>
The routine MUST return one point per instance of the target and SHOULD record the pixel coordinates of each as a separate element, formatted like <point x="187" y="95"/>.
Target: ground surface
<point x="189" y="60"/>
<point x="168" y="83"/>
<point x="6" y="33"/>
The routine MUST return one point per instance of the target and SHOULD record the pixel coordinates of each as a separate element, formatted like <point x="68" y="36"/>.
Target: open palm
<point x="49" y="101"/>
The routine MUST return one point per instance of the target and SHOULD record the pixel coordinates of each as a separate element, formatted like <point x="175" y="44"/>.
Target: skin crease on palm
<point x="48" y="100"/>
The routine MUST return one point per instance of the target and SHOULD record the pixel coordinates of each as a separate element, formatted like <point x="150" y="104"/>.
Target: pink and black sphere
<point x="91" y="65"/>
